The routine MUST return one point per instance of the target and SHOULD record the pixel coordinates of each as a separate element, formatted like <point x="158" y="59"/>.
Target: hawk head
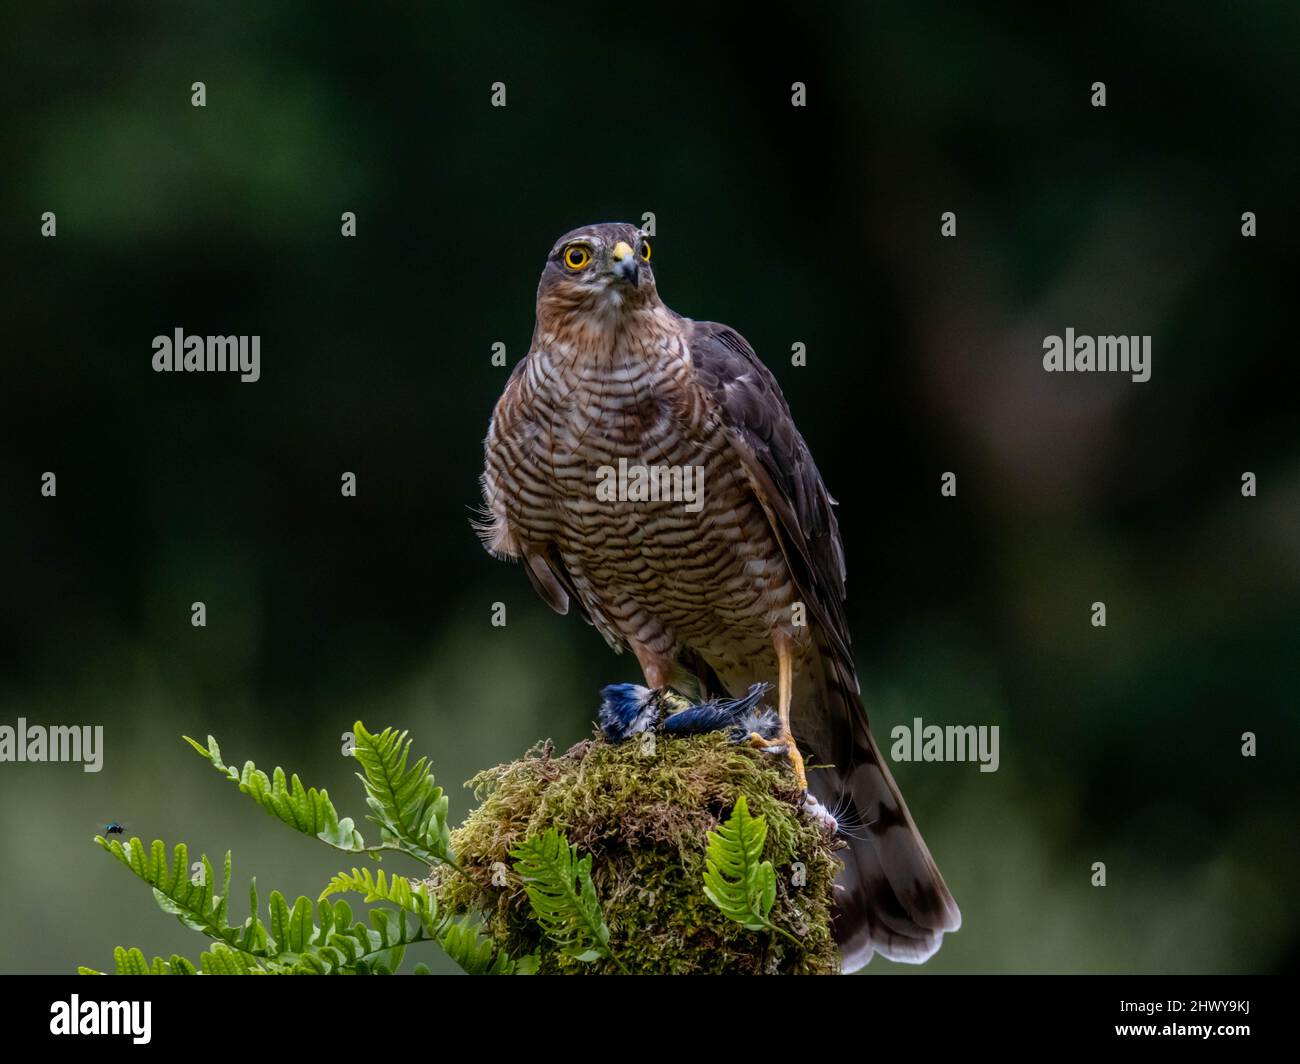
<point x="603" y="270"/>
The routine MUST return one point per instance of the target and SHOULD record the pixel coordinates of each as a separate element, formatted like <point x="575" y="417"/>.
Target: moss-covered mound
<point x="643" y="813"/>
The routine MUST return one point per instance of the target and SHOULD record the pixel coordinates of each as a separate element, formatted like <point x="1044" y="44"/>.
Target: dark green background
<point x="818" y="226"/>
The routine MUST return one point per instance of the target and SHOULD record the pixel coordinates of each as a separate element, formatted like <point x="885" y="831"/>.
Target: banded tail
<point x="892" y="899"/>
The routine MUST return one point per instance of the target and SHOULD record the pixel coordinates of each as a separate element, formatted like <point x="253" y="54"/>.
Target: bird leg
<point x="768" y="746"/>
<point x="658" y="671"/>
<point x="658" y="676"/>
<point x="784" y="694"/>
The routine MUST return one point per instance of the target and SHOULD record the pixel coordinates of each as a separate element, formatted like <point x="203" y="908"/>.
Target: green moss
<point x="644" y="814"/>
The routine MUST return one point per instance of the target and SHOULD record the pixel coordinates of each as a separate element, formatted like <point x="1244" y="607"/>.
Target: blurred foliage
<point x="818" y="226"/>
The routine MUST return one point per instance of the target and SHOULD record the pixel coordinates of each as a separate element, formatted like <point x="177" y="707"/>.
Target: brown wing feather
<point x="893" y="899"/>
<point x="785" y="477"/>
<point x="551" y="580"/>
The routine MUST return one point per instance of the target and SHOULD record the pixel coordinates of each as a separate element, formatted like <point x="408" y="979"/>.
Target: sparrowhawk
<point x="744" y="584"/>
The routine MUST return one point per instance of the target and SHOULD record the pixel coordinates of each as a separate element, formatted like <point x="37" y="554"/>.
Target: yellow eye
<point x="645" y="251"/>
<point x="576" y="256"/>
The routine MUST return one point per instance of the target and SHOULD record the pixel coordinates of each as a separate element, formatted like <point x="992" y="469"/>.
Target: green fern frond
<point x="339" y="945"/>
<point x="295" y="941"/>
<point x="378" y="949"/>
<point x="562" y="895"/>
<point x="132" y="962"/>
<point x="322" y="937"/>
<point x="736" y="878"/>
<point x="408" y="806"/>
<point x="196" y="904"/>
<point x="220" y="960"/>
<point x="304" y="809"/>
<point x="463" y="942"/>
<point x="398" y="890"/>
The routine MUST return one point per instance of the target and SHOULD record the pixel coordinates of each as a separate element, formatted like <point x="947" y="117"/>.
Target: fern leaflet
<point x="736" y="879"/>
<point x="463" y="942"/>
<point x="398" y="890"/>
<point x="563" y="896"/>
<point x="408" y="806"/>
<point x="303" y="809"/>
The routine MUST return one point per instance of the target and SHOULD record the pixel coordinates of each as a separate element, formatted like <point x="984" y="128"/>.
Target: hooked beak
<point x="625" y="268"/>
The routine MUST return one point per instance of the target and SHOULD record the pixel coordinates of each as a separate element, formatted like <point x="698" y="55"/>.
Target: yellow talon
<point x="785" y="691"/>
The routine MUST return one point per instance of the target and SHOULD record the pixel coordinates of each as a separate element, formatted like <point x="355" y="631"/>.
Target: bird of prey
<point x="743" y="584"/>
